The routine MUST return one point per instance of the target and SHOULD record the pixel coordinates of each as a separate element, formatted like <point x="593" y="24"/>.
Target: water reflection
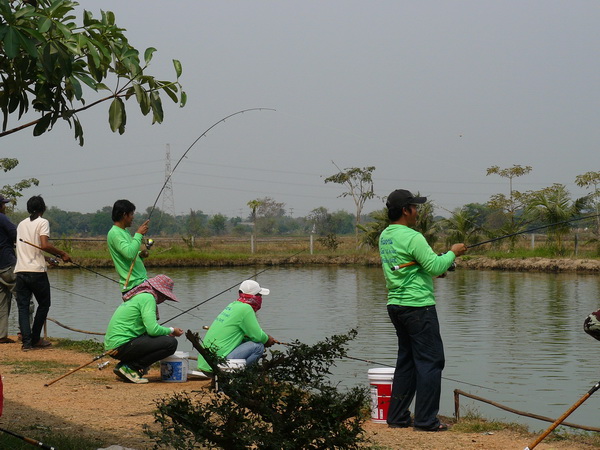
<point x="518" y="333"/>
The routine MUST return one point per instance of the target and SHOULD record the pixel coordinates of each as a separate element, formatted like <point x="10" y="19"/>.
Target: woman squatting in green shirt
<point x="134" y="332"/>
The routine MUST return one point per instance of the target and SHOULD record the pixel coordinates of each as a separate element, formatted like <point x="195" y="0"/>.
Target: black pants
<point x="418" y="367"/>
<point x="144" y="350"/>
<point x="35" y="283"/>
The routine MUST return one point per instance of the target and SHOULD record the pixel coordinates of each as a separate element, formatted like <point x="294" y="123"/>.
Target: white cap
<point x="252" y="287"/>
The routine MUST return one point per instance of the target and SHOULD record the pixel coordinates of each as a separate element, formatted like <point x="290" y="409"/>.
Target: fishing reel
<point x="102" y="365"/>
<point x="53" y="260"/>
<point x="149" y="244"/>
<point x="452" y="266"/>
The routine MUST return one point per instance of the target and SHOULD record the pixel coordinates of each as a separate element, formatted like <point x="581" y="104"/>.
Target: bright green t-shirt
<point x="412" y="285"/>
<point x="133" y="318"/>
<point x="123" y="248"/>
<point x="236" y="323"/>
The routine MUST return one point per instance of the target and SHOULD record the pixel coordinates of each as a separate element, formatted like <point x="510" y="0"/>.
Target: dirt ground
<point x="97" y="404"/>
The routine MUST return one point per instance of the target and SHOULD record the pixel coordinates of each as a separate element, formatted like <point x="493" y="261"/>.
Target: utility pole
<point x="168" y="204"/>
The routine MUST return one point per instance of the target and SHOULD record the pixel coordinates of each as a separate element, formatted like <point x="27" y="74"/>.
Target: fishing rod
<point x="28" y="440"/>
<point x="96" y="358"/>
<point x="181" y="159"/>
<point x="72" y="262"/>
<point x="194" y="143"/>
<point x="368" y="361"/>
<point x="529" y="230"/>
<point x="226" y="290"/>
<point x="564" y="416"/>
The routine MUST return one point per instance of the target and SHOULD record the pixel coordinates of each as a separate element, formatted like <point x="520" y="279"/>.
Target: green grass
<point x="85" y="346"/>
<point x="26" y="367"/>
<point x="472" y="422"/>
<point x="571" y="434"/>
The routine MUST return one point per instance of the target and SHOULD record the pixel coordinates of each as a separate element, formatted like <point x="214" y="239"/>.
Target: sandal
<point x="440" y="427"/>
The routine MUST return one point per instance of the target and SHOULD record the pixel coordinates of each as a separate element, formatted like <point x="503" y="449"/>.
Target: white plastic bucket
<point x="380" y="379"/>
<point x="174" y="369"/>
<point x="233" y="364"/>
<point x="229" y="366"/>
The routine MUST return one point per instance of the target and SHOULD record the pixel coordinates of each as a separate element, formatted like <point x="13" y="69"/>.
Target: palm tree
<point x="425" y="225"/>
<point x="462" y="227"/>
<point x="553" y="205"/>
<point x="372" y="230"/>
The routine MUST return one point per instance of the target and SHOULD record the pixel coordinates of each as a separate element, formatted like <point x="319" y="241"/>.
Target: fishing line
<point x="99" y="301"/>
<point x="388" y="365"/>
<point x="529" y="230"/>
<point x="177" y="164"/>
<point x="93" y="271"/>
<point x="194" y="143"/>
<point x="72" y="262"/>
<point x="228" y="289"/>
<point x="78" y="295"/>
<point x="445" y="378"/>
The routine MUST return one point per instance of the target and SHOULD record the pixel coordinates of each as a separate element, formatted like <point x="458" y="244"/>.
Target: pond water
<point x="513" y="338"/>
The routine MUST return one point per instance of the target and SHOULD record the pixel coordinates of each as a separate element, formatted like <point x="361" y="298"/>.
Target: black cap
<point x="4" y="200"/>
<point x="401" y="198"/>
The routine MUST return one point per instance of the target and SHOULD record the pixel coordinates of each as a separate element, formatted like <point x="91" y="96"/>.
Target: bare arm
<point x="48" y="247"/>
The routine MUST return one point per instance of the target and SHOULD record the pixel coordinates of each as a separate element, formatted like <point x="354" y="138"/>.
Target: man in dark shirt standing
<point x="8" y="236"/>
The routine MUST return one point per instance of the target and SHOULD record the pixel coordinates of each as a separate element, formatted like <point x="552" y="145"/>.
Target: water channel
<point x="519" y="334"/>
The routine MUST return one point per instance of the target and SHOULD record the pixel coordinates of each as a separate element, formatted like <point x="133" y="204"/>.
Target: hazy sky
<point x="431" y="93"/>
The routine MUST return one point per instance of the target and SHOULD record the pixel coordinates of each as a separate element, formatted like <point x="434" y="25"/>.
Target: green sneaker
<point x="130" y="375"/>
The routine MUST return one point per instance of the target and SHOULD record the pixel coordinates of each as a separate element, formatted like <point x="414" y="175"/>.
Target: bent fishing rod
<point x="226" y="290"/>
<point x="194" y="143"/>
<point x="529" y="230"/>
<point x="181" y="159"/>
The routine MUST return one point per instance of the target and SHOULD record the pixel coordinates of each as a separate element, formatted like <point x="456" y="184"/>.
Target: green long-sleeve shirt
<point x="123" y="249"/>
<point x="133" y="318"/>
<point x="412" y="285"/>
<point x="236" y="323"/>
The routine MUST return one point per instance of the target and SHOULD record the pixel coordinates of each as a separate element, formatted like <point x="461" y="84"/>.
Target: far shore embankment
<point x="531" y="264"/>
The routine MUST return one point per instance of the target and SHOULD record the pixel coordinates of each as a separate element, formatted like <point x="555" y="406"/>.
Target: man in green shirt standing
<point x="125" y="249"/>
<point x="409" y="266"/>
<point x="235" y="333"/>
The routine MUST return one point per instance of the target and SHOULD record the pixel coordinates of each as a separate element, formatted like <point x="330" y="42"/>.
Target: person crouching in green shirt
<point x="236" y="333"/>
<point x="134" y="332"/>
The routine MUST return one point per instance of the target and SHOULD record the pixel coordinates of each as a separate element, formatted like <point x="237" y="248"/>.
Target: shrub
<point x="283" y="402"/>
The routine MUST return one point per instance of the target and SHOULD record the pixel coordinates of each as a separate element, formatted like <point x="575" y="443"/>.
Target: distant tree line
<point x="268" y="222"/>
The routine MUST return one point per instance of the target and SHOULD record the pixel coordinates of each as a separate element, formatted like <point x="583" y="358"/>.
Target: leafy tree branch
<point x="48" y="59"/>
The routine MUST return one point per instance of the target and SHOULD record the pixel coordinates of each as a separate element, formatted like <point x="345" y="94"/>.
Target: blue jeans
<point x="250" y="351"/>
<point x="418" y="367"/>
<point x="35" y="283"/>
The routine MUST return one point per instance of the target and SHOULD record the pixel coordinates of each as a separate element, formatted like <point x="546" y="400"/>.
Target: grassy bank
<point x="227" y="252"/>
